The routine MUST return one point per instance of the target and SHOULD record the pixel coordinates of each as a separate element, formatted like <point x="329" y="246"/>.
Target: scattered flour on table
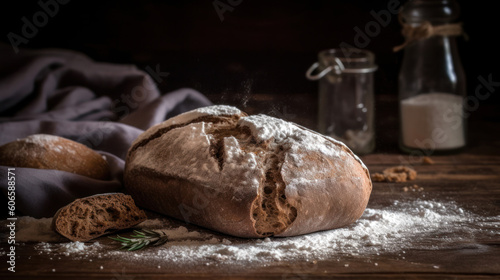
<point x="68" y="248"/>
<point x="392" y="229"/>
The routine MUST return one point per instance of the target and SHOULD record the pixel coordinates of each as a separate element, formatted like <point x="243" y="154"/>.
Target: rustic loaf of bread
<point x="45" y="151"/>
<point x="246" y="176"/>
<point x="90" y="217"/>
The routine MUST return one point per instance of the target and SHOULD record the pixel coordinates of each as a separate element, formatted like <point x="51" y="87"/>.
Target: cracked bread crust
<point x="246" y="176"/>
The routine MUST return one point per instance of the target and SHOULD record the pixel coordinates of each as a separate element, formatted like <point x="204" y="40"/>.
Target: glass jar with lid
<point x="346" y="97"/>
<point x="431" y="85"/>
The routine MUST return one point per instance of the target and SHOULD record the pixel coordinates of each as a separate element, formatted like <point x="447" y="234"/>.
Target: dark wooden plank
<point x="419" y="264"/>
<point x="386" y="159"/>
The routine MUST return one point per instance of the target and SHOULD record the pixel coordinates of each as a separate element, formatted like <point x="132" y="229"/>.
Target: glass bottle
<point x="432" y="86"/>
<point x="346" y="99"/>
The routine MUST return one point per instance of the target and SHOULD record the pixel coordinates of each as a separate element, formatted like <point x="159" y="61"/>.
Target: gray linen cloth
<point x="65" y="93"/>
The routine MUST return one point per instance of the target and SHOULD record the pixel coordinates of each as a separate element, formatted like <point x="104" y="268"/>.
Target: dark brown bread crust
<point x="191" y="202"/>
<point x="53" y="152"/>
<point x="87" y="218"/>
<point x="334" y="192"/>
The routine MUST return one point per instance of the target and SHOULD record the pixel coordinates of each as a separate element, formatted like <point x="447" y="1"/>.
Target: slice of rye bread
<point x="90" y="217"/>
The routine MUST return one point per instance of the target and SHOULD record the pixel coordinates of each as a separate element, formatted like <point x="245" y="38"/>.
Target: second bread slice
<point x="90" y="217"/>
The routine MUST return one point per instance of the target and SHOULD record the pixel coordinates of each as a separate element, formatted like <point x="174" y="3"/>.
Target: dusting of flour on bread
<point x="281" y="132"/>
<point x="219" y="110"/>
<point x="48" y="141"/>
<point x="265" y="127"/>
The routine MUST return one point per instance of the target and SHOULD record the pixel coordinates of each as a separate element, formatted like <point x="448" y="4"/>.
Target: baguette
<point x="246" y="176"/>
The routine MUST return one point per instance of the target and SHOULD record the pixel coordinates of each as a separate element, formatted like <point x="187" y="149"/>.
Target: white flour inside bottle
<point x="433" y="121"/>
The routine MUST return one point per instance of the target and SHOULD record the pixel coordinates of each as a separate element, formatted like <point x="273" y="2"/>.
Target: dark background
<point x="260" y="48"/>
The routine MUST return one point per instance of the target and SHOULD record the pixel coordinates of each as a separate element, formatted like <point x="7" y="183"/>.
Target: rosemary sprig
<point x="141" y="239"/>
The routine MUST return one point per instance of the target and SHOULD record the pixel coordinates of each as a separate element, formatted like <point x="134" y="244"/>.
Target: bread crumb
<point x="414" y="188"/>
<point x="378" y="177"/>
<point x="395" y="174"/>
<point x="427" y="161"/>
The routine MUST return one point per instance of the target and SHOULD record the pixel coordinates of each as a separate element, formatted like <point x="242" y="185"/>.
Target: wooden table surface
<point x="471" y="179"/>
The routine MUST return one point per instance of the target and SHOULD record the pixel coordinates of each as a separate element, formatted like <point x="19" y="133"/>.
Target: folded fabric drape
<point x="65" y="93"/>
